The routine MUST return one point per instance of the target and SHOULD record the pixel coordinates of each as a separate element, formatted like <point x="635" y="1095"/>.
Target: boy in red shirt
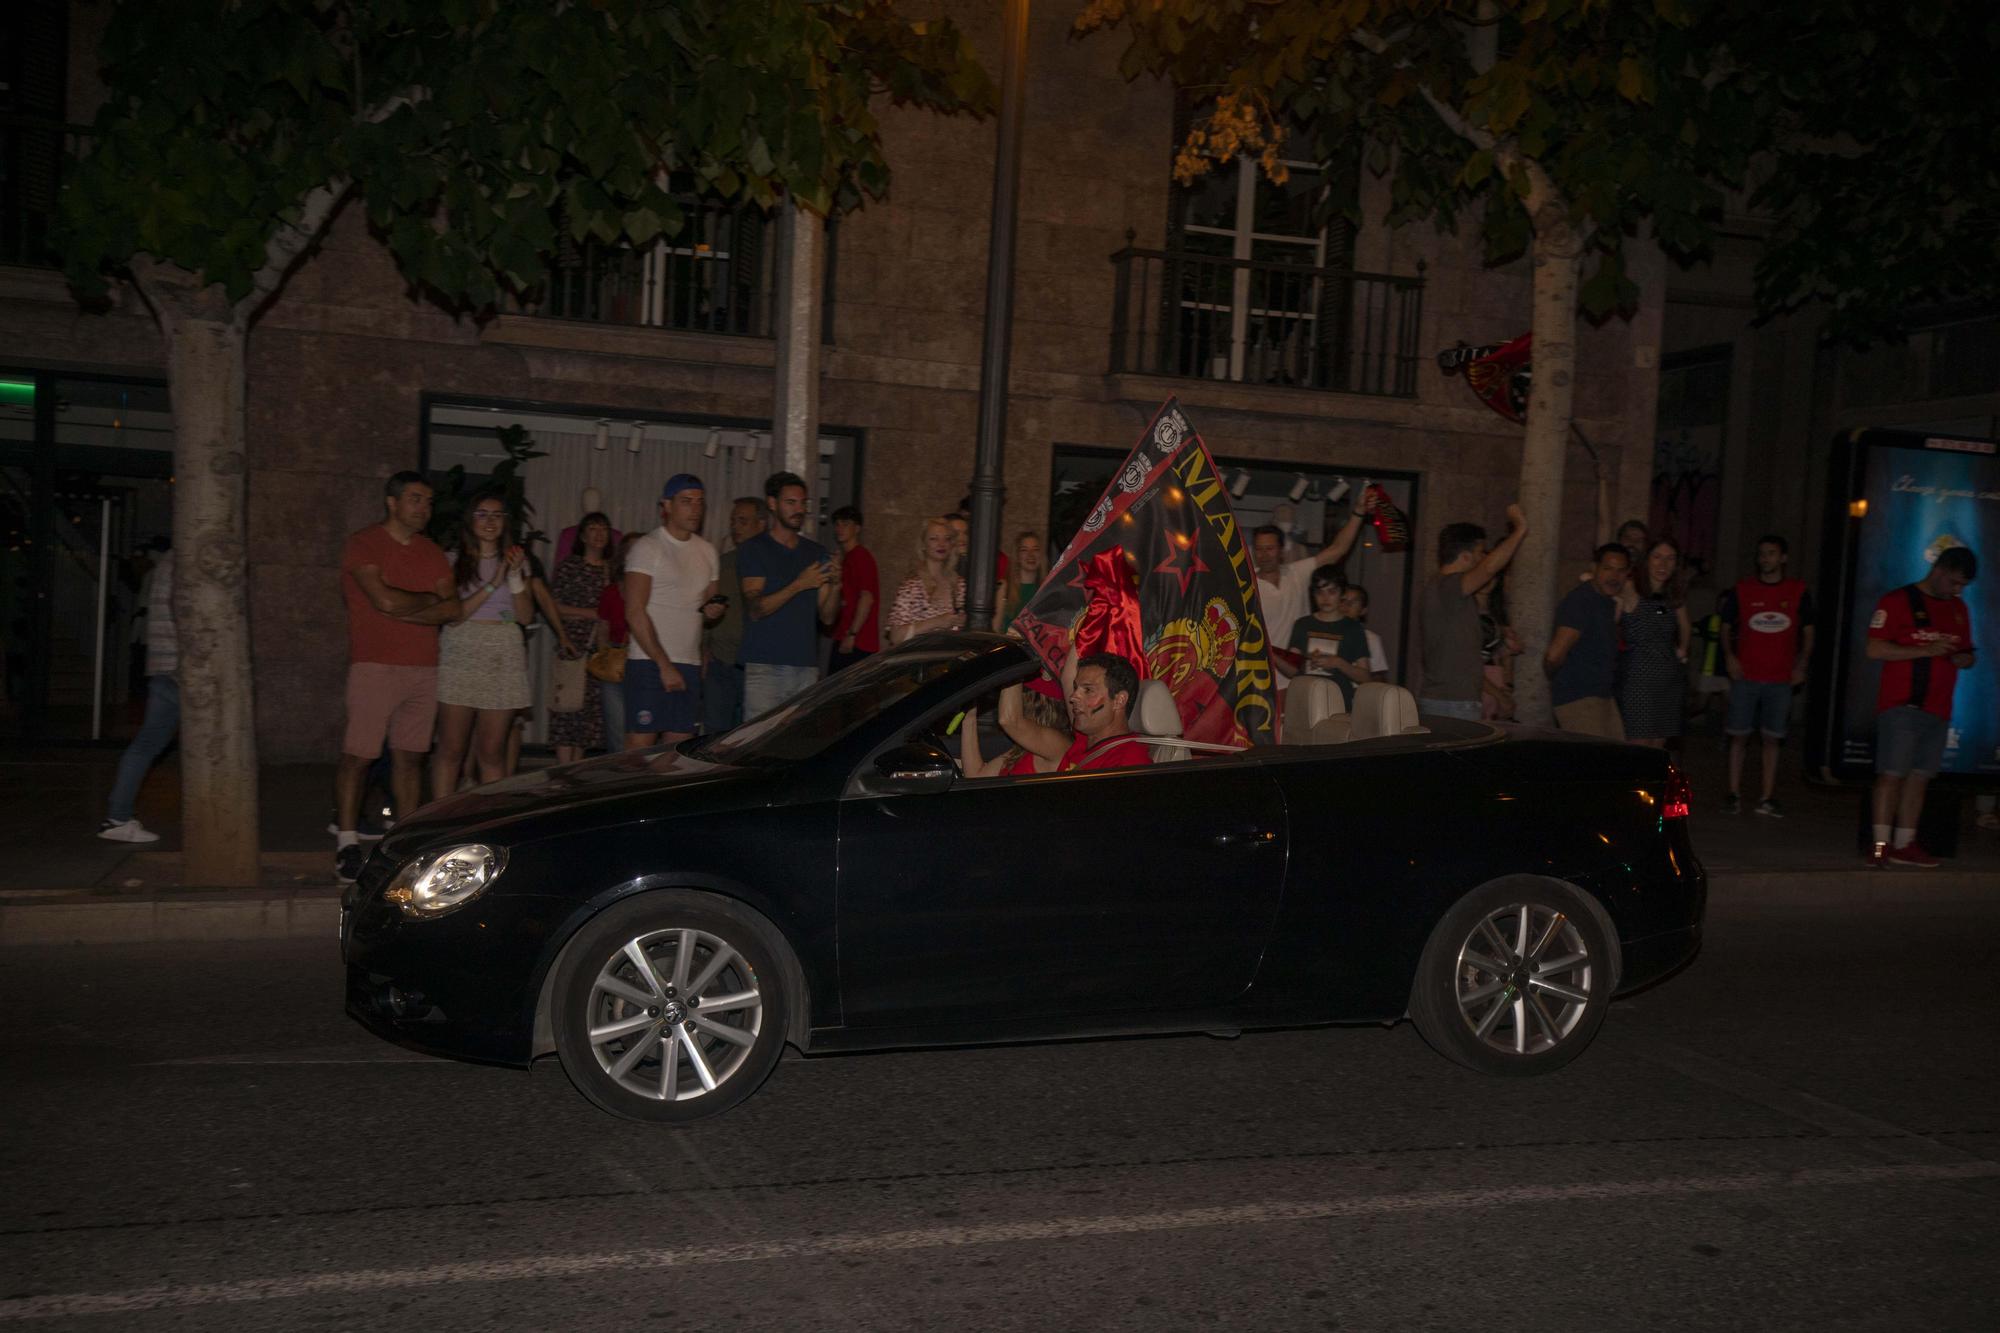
<point x="857" y="625"/>
<point x="1922" y="635"/>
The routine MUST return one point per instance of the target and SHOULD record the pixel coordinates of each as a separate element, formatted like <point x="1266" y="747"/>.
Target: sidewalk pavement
<point x="62" y="884"/>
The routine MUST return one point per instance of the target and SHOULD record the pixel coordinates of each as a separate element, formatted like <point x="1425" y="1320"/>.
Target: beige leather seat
<point x="1315" y="712"/>
<point x="1158" y="715"/>
<point x="1384" y="710"/>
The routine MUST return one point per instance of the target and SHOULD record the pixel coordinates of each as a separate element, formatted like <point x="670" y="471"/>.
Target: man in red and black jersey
<point x="1922" y="635"/>
<point x="1100" y="707"/>
<point x="1767" y="639"/>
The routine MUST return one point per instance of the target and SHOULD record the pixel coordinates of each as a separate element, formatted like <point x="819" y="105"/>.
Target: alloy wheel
<point x="1524" y="979"/>
<point x="673" y="1014"/>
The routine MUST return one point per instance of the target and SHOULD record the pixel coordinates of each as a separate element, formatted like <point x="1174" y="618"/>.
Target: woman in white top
<point x="932" y="598"/>
<point x="482" y="665"/>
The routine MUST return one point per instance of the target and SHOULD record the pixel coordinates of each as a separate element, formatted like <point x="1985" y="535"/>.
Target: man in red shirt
<point x="857" y="625"/>
<point x="1100" y="706"/>
<point x="399" y="590"/>
<point x="1922" y="635"/>
<point x="1767" y="639"/>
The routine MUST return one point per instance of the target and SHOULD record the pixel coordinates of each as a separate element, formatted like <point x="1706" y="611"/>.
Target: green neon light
<point x="17" y="391"/>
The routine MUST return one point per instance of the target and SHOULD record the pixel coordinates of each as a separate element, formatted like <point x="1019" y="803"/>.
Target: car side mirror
<point x="914" y="767"/>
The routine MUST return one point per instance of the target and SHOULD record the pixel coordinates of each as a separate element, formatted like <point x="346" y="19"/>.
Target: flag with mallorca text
<point x="1161" y="573"/>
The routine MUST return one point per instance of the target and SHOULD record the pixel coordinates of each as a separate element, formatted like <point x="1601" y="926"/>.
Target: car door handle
<point x="1251" y="838"/>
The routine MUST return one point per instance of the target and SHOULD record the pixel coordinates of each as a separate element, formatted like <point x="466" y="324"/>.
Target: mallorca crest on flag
<point x="1161" y="574"/>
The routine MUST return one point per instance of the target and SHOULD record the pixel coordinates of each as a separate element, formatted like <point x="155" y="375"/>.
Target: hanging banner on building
<point x="1499" y="373"/>
<point x="1161" y="573"/>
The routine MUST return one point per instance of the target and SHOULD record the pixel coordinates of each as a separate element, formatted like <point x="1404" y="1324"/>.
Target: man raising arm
<point x="1100" y="706"/>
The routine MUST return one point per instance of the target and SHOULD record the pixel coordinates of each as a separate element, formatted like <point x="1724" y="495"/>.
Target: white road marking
<point x="279" y="1060"/>
<point x="366" y="1281"/>
<point x="318" y="1055"/>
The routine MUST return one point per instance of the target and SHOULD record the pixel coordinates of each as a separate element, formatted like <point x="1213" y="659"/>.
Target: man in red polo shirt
<point x="1767" y="627"/>
<point x="1922" y="635"/>
<point x="1100" y="706"/>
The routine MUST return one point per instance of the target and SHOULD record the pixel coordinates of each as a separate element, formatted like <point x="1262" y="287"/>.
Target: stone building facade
<point x="347" y="365"/>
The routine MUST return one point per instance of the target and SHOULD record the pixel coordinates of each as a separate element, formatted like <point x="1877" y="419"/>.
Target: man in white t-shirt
<point x="1283" y="588"/>
<point x="670" y="592"/>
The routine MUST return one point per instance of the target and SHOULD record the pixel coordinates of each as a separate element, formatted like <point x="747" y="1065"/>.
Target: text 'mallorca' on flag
<point x="1161" y="574"/>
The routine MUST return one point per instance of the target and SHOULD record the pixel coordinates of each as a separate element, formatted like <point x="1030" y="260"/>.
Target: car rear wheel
<point x="670" y="1007"/>
<point x="1515" y="979"/>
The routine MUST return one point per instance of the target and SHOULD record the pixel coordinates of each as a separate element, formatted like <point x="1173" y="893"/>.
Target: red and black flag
<point x="1501" y="377"/>
<point x="1161" y="574"/>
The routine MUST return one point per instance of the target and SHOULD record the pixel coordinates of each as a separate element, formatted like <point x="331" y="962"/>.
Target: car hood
<point x="613" y="787"/>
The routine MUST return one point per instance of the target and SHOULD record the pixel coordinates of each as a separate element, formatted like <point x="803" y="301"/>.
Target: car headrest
<point x="1310" y="701"/>
<point x="1156" y="713"/>
<point x="1383" y="710"/>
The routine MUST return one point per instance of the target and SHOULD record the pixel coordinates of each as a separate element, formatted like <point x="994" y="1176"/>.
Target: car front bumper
<point x="461" y="985"/>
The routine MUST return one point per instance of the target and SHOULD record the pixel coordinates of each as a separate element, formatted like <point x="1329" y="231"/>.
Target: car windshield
<point x="823" y="714"/>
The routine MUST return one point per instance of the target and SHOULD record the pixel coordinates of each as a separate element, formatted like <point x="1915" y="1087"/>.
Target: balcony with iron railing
<point x="717" y="274"/>
<point x="1247" y="321"/>
<point x="34" y="153"/>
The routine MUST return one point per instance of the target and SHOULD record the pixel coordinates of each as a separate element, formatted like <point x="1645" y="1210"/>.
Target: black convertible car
<point x="666" y="921"/>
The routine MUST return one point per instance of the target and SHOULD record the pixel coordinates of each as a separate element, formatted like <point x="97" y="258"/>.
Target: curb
<point x="1849" y="887"/>
<point x="173" y="918"/>
<point x="314" y="913"/>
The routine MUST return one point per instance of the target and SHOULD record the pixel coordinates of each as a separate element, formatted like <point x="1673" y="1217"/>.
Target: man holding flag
<point x="1100" y="709"/>
<point x="1161" y="576"/>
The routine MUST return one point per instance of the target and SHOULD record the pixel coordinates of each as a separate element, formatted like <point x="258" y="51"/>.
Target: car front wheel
<point x="1515" y="979"/>
<point x="670" y="1007"/>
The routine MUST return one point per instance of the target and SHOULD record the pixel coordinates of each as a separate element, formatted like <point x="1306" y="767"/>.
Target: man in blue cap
<point x="670" y="593"/>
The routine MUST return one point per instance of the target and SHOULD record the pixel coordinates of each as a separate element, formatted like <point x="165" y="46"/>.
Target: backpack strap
<point x="1920" y="668"/>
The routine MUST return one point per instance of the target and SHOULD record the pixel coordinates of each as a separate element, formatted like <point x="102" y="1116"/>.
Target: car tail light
<point x="1680" y="795"/>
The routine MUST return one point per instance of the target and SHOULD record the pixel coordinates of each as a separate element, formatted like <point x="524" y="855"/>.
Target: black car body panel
<point x="1284" y="885"/>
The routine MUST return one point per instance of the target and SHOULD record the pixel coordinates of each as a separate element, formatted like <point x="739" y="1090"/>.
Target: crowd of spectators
<point x="659" y="635"/>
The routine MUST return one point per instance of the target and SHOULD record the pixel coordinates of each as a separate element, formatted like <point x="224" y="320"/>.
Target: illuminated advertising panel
<point x="1899" y="499"/>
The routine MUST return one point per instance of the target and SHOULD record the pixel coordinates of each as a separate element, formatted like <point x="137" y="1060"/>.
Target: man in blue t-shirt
<point x="785" y="578"/>
<point x="1582" y="660"/>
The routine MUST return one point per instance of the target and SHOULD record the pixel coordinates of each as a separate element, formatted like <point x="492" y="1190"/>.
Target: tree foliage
<point x="475" y="129"/>
<point x="1861" y="132"/>
<point x="1617" y="104"/>
<point x="1883" y="181"/>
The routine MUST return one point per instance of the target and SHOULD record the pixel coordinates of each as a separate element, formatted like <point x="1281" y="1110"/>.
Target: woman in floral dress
<point x="933" y="598"/>
<point x="577" y="584"/>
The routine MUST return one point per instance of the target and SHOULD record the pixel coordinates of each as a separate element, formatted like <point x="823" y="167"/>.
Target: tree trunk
<point x="1535" y="582"/>
<point x="205" y="338"/>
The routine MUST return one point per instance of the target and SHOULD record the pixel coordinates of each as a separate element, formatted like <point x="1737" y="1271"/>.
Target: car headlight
<point x="442" y="881"/>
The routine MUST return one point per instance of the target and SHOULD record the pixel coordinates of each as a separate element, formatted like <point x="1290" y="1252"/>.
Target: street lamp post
<point x="987" y="486"/>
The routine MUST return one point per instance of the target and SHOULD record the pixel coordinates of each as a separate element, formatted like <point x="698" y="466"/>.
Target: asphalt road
<point x="1798" y="1132"/>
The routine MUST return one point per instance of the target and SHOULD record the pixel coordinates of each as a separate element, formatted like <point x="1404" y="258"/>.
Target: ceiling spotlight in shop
<point x="1240" y="483"/>
<point x="1299" y="487"/>
<point x="603" y="435"/>
<point x="1338" y="489"/>
<point x="714" y="445"/>
<point x="638" y="436"/>
<point x="751" y="441"/>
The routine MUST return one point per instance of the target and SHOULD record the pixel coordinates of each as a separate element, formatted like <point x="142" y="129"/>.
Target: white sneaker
<point x="130" y="830"/>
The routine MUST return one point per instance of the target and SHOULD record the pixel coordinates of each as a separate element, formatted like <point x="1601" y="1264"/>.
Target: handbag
<point x="569" y="683"/>
<point x="607" y="664"/>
